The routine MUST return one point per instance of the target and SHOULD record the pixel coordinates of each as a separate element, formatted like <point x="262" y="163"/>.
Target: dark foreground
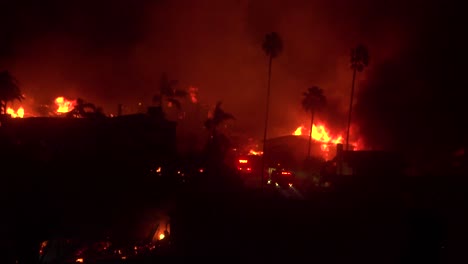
<point x="391" y="220"/>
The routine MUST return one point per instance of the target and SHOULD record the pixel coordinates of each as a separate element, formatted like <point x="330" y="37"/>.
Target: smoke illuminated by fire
<point x="64" y="105"/>
<point x="16" y="114"/>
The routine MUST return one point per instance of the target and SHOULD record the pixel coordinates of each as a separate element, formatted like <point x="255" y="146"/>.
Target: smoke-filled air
<point x="114" y="52"/>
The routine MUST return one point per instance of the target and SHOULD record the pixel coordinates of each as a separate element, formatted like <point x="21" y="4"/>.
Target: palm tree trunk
<point x="350" y="109"/>
<point x="311" y="133"/>
<point x="266" y="121"/>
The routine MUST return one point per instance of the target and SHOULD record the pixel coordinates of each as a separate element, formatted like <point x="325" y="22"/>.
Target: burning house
<point x="143" y="138"/>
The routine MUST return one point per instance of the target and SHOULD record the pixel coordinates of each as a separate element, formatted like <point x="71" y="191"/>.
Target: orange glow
<point x="16" y="114"/>
<point x="298" y="131"/>
<point x="193" y="91"/>
<point x="243" y="161"/>
<point x="64" y="105"/>
<point x="256" y="153"/>
<point x="320" y="134"/>
<point x="42" y="247"/>
<point x="79" y="260"/>
<point x="161" y="236"/>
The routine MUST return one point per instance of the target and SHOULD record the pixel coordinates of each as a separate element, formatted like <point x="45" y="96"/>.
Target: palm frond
<point x="272" y="44"/>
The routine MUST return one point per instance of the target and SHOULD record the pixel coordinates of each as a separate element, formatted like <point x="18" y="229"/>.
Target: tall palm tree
<point x="313" y="101"/>
<point x="359" y="60"/>
<point x="168" y="91"/>
<point x="272" y="46"/>
<point x="9" y="90"/>
<point x="218" y="116"/>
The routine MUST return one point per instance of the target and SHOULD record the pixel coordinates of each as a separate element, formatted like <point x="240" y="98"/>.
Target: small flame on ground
<point x="16" y="114"/>
<point x="64" y="105"/>
<point x="256" y="153"/>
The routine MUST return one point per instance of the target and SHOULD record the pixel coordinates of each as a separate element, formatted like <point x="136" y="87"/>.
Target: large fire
<point x="320" y="134"/>
<point x="16" y="114"/>
<point x="64" y="105"/>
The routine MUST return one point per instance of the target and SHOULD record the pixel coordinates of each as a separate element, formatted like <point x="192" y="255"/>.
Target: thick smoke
<point x="414" y="102"/>
<point x="112" y="52"/>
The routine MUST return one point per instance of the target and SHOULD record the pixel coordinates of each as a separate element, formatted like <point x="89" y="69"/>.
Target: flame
<point x="320" y="134"/>
<point x="18" y="113"/>
<point x="298" y="131"/>
<point x="256" y="153"/>
<point x="64" y="105"/>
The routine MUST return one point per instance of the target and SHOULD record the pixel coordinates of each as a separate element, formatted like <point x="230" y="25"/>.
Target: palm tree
<point x="168" y="91"/>
<point x="9" y="90"/>
<point x="359" y="60"/>
<point x="218" y="116"/>
<point x="313" y="101"/>
<point x="272" y="46"/>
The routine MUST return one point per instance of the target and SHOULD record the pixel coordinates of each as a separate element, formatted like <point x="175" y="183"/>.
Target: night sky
<point x="110" y="52"/>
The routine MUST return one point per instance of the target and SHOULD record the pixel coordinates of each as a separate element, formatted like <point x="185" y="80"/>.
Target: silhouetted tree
<point x="168" y="92"/>
<point x="359" y="60"/>
<point x="217" y="144"/>
<point x="9" y="90"/>
<point x="85" y="109"/>
<point x="313" y="100"/>
<point x="272" y="46"/>
<point x="218" y="116"/>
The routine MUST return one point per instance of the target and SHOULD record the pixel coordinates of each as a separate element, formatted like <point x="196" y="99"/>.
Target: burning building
<point x="143" y="138"/>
